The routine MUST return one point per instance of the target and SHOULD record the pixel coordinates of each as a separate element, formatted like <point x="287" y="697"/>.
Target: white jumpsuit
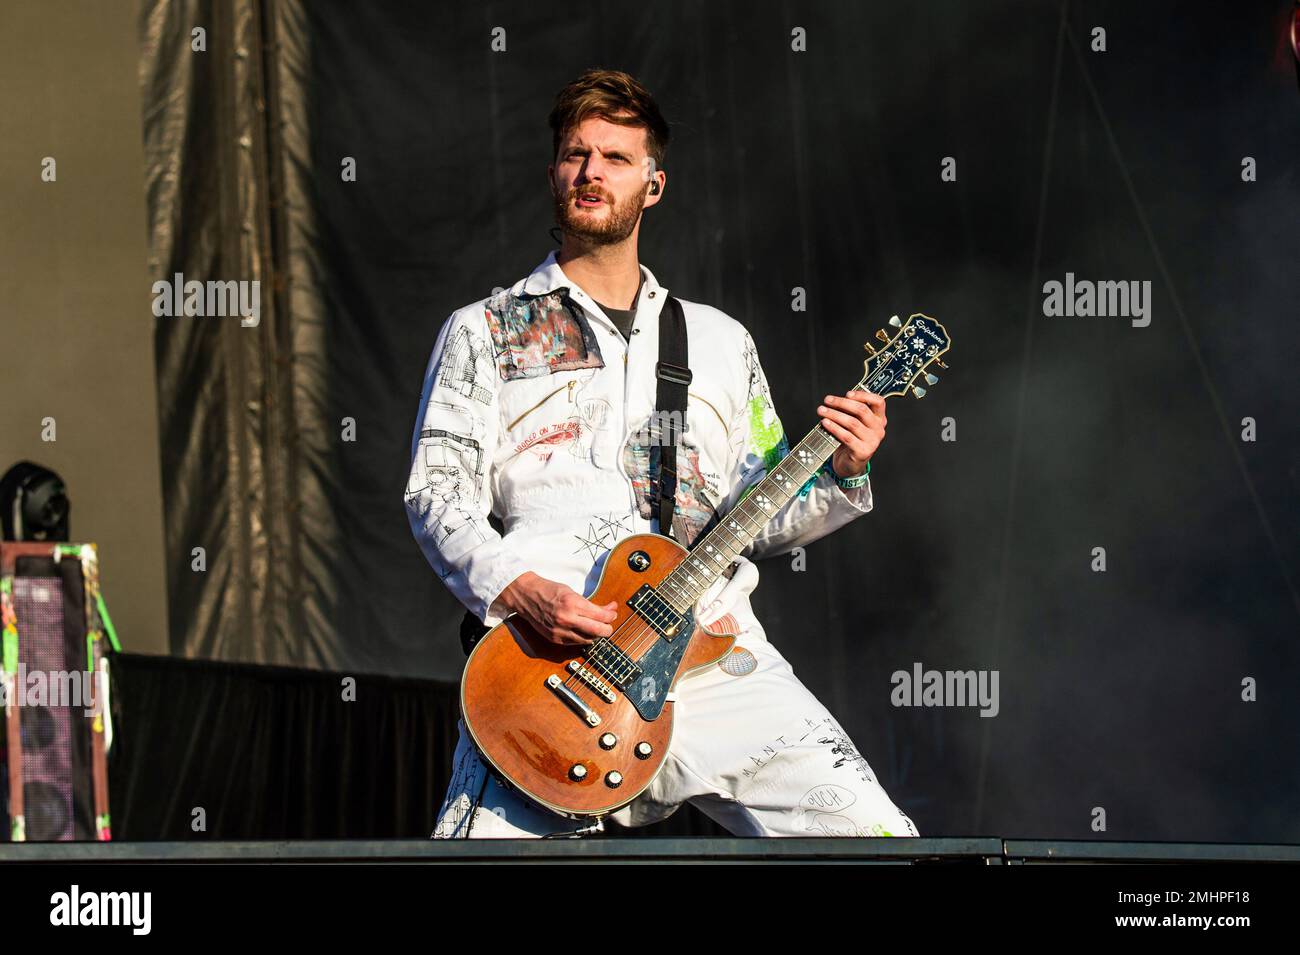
<point x="535" y="410"/>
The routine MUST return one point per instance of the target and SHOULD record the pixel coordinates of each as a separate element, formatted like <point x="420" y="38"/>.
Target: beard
<point x="614" y="227"/>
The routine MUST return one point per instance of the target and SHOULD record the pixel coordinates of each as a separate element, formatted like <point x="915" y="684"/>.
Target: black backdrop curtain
<point x="817" y="170"/>
<point x="205" y="750"/>
<point x="210" y="750"/>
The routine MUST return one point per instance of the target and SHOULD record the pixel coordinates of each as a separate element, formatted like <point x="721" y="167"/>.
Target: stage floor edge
<point x="975" y="850"/>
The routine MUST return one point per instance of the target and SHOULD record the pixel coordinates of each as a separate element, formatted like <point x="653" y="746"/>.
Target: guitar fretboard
<point x="714" y="552"/>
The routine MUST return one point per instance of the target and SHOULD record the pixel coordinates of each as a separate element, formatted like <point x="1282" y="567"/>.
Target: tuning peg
<point x="895" y="322"/>
<point x="939" y="362"/>
<point x="883" y="335"/>
<point x="918" y="391"/>
<point x="870" y="349"/>
<point x="931" y="379"/>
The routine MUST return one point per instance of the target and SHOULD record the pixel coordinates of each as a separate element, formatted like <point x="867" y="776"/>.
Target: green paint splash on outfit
<point x="769" y="441"/>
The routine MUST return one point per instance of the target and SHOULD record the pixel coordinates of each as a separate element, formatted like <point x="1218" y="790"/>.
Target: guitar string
<point x="818" y="432"/>
<point x="808" y="439"/>
<point x="646" y="636"/>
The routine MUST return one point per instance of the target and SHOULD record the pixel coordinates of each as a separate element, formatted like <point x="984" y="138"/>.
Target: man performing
<point x="536" y="410"/>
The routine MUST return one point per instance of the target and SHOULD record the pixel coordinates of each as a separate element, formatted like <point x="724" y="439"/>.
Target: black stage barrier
<point x="222" y="751"/>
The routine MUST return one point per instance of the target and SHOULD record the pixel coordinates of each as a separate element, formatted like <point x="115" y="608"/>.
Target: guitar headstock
<point x="900" y="363"/>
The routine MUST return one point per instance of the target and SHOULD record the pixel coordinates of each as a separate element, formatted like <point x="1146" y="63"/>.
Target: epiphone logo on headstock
<point x="900" y="365"/>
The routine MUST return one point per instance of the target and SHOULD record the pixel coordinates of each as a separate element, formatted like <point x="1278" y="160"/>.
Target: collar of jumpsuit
<point x="535" y="410"/>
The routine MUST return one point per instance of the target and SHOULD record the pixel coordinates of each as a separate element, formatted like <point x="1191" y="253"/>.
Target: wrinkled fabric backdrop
<point x="818" y="170"/>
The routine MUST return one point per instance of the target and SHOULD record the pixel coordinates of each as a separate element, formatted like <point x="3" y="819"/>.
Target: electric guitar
<point x="583" y="730"/>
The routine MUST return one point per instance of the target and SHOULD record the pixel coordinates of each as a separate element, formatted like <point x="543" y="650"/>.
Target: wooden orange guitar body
<point x="538" y="739"/>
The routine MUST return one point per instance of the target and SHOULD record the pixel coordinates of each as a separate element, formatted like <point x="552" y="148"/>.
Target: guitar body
<point x="559" y="744"/>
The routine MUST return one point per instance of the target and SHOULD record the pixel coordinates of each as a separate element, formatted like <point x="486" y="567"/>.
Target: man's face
<point x="599" y="181"/>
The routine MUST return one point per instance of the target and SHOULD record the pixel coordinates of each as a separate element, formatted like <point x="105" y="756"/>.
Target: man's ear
<point x="550" y="177"/>
<point x="655" y="187"/>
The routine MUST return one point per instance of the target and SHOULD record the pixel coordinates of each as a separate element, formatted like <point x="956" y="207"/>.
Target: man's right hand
<point x="558" y="613"/>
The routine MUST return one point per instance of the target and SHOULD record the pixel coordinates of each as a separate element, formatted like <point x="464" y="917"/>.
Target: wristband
<point x="847" y="484"/>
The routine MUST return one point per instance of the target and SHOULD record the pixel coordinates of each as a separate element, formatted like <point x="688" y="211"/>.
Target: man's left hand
<point x="858" y="421"/>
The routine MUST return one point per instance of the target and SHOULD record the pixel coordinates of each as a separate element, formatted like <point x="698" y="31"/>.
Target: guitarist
<point x="535" y="411"/>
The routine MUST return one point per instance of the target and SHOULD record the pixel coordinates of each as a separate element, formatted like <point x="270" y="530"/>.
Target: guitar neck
<point x="714" y="552"/>
<point x="898" y="367"/>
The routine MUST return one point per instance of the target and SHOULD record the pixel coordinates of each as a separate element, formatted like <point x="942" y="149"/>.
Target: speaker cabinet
<point x="55" y="684"/>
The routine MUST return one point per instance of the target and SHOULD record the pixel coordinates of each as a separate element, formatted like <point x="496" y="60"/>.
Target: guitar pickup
<point x="656" y="611"/>
<point x="593" y="681"/>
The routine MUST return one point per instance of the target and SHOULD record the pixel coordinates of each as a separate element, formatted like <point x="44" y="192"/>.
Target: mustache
<point x="582" y="192"/>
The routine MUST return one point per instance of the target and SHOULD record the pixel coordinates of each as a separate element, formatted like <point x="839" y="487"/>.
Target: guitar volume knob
<point x="613" y="779"/>
<point x="608" y="740"/>
<point x="643" y="750"/>
<point x="578" y="772"/>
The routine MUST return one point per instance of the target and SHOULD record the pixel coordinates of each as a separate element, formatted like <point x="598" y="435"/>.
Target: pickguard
<point x="648" y="691"/>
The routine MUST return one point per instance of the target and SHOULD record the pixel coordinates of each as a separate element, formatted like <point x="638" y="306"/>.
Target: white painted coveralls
<point x="535" y="409"/>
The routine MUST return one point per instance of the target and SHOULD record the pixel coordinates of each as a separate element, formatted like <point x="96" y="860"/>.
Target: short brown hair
<point x="606" y="93"/>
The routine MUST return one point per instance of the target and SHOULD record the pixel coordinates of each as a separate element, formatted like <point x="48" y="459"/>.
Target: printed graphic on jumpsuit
<point x="450" y="461"/>
<point x="536" y="335"/>
<point x="586" y="416"/>
<point x="697" y="492"/>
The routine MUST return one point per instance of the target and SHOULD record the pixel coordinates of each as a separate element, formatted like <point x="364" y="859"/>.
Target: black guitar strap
<point x="674" y="376"/>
